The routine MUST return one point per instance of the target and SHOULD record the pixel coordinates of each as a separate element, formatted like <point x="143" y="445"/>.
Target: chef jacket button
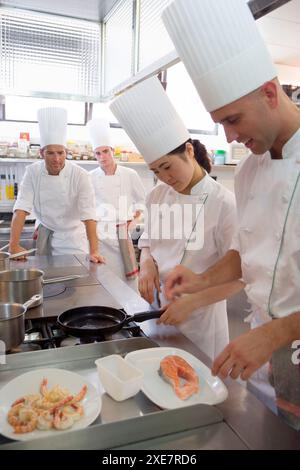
<point x="285" y="199"/>
<point x="278" y="236"/>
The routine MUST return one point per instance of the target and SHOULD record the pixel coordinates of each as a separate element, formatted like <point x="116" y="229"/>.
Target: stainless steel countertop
<point x="248" y="423"/>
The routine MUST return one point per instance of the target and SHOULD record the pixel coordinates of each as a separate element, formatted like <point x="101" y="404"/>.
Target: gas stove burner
<point x="68" y="341"/>
<point x="91" y="339"/>
<point x="45" y="333"/>
<point x="25" y="347"/>
<point x="33" y="336"/>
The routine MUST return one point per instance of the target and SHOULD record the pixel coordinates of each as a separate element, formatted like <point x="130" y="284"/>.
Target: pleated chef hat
<point x="53" y="126"/>
<point x="221" y="47"/>
<point x="149" y="118"/>
<point x="99" y="132"/>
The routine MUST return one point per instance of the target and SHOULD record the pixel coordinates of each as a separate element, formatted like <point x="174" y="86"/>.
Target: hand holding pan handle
<point x="143" y="316"/>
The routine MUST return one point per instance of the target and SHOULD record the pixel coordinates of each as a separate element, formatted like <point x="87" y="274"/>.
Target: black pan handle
<point x="143" y="316"/>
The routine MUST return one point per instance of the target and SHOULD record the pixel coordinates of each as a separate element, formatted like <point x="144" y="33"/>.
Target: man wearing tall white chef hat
<point x="221" y="47"/>
<point x="120" y="195"/>
<point x="61" y="195"/>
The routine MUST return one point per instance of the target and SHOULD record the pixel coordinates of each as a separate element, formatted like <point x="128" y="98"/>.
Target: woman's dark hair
<point x="200" y="153"/>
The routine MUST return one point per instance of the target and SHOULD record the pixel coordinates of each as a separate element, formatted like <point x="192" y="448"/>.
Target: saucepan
<point x="19" y="285"/>
<point x="96" y="321"/>
<point x="5" y="257"/>
<point x="12" y="322"/>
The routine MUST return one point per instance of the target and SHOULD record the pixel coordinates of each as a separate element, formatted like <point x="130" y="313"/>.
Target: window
<point x="25" y="109"/>
<point x="50" y="56"/>
<point x="154" y="39"/>
<point x="185" y="98"/>
<point x="118" y="46"/>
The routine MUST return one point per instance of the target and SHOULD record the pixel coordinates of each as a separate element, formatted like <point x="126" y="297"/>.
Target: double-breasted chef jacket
<point x="206" y="327"/>
<point x="61" y="203"/>
<point x="118" y="197"/>
<point x="268" y="240"/>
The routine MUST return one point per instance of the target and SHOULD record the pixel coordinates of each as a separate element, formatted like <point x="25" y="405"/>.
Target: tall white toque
<point x="53" y="126"/>
<point x="149" y="118"/>
<point x="221" y="48"/>
<point x="99" y="133"/>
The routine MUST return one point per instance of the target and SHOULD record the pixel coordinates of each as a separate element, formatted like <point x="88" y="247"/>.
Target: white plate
<point x="211" y="389"/>
<point x="29" y="383"/>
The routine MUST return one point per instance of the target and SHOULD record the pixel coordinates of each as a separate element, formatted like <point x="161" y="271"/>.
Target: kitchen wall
<point x="11" y="130"/>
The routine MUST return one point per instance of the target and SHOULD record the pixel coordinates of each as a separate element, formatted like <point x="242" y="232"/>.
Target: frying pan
<point x="99" y="321"/>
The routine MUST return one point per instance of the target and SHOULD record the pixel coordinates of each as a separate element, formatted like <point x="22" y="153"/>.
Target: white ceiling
<point x="281" y="30"/>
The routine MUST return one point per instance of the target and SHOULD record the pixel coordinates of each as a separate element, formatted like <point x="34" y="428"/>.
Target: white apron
<point x="206" y="327"/>
<point x="259" y="383"/>
<point x="54" y="202"/>
<point x="108" y="192"/>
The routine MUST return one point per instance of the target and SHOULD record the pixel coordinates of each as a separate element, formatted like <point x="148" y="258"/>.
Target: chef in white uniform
<point x="120" y="198"/>
<point x="203" y="207"/>
<point x="61" y="195"/>
<point x="237" y="83"/>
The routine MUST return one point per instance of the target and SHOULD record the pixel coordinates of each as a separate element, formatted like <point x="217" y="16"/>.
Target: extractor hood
<point x="261" y="8"/>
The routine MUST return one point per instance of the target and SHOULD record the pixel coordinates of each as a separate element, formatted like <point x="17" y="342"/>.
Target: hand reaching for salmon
<point x="181" y="375"/>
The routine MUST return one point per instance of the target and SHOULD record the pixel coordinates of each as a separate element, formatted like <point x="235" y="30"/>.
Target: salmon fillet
<point x="180" y="374"/>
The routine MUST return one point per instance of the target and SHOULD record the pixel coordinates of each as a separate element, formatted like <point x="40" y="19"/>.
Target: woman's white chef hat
<point x="99" y="133"/>
<point x="221" y="48"/>
<point x="149" y="118"/>
<point x="53" y="126"/>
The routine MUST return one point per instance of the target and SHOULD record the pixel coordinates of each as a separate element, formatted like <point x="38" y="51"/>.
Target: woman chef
<point x="196" y="240"/>
<point x="119" y="194"/>
<point x="61" y="195"/>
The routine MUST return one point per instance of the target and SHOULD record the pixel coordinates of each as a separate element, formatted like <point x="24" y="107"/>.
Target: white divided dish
<point x="120" y="379"/>
<point x="29" y="383"/>
<point x="211" y="389"/>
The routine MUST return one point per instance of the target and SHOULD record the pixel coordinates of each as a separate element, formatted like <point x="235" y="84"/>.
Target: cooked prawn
<point x="13" y="414"/>
<point x="173" y="369"/>
<point x="27" y="421"/>
<point x="22" y="419"/>
<point x="52" y="408"/>
<point x="43" y="387"/>
<point x="45" y="420"/>
<point x="75" y="411"/>
<point x="62" y="421"/>
<point x="80" y="395"/>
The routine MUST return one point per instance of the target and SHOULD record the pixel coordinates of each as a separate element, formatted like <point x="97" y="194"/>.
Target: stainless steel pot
<point x="12" y="322"/>
<point x="4" y="261"/>
<point x="19" y="285"/>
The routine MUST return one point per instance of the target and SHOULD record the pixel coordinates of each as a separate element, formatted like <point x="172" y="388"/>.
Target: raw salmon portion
<point x="180" y="375"/>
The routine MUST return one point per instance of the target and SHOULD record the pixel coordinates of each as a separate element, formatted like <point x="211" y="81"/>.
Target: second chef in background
<point x="120" y="196"/>
<point x="61" y="195"/>
<point x="204" y="209"/>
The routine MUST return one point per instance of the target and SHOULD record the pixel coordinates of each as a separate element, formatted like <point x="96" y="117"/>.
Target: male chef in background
<point x="120" y="195"/>
<point x="61" y="195"/>
<point x="236" y="80"/>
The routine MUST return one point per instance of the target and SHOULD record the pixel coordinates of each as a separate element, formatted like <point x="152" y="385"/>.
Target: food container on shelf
<point x="120" y="379"/>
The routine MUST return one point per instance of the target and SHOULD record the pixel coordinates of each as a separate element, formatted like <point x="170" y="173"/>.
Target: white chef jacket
<point x="206" y="327"/>
<point x="60" y="203"/>
<point x="268" y="205"/>
<point x="118" y="197"/>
